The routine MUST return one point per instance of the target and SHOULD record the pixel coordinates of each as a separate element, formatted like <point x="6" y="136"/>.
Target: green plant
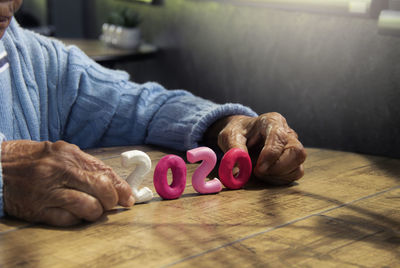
<point x="124" y="17"/>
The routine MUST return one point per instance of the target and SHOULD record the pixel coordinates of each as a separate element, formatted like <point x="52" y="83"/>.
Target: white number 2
<point x="143" y="165"/>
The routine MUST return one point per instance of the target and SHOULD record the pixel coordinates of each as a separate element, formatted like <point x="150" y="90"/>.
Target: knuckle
<point x="224" y="134"/>
<point x="274" y="116"/>
<point x="89" y="208"/>
<point x="277" y="139"/>
<point x="282" y="135"/>
<point x="293" y="133"/>
<point x="106" y="190"/>
<point x="123" y="188"/>
<point x="121" y="184"/>
<point x="60" y="146"/>
<point x="47" y="146"/>
<point x="93" y="210"/>
<point x="302" y="155"/>
<point x="223" y="138"/>
<point x="299" y="152"/>
<point x="107" y="169"/>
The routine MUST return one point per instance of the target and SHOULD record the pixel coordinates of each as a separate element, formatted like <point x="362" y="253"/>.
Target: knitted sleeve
<point x="2" y="138"/>
<point x="68" y="96"/>
<point x="110" y="110"/>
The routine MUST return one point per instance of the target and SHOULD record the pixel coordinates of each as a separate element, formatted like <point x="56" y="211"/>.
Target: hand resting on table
<point x="58" y="184"/>
<point x="273" y="145"/>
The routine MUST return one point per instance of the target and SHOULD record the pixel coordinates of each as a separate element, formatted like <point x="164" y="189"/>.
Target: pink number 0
<point x="178" y="168"/>
<point x="233" y="156"/>
<point x="198" y="179"/>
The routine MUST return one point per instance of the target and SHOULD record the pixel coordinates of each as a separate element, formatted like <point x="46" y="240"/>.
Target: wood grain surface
<point x="345" y="212"/>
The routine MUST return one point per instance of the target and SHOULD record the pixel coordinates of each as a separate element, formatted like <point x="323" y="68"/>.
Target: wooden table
<point x="345" y="212"/>
<point x="107" y="55"/>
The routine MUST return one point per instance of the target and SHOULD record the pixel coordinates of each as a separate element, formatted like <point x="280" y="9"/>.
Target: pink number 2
<point x="198" y="179"/>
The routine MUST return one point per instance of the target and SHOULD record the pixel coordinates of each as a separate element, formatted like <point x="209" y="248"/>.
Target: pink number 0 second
<point x="233" y="156"/>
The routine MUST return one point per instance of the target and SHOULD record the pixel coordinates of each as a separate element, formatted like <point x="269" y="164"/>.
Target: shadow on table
<point x="355" y="223"/>
<point x="385" y="166"/>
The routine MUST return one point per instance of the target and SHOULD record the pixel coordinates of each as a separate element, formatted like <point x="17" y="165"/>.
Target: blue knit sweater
<point x="52" y="92"/>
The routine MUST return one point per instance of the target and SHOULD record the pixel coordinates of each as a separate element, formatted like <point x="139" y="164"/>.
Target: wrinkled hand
<point x="58" y="184"/>
<point x="272" y="144"/>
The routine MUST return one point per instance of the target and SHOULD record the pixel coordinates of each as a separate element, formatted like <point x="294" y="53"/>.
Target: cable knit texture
<point x="56" y="92"/>
<point x="2" y="138"/>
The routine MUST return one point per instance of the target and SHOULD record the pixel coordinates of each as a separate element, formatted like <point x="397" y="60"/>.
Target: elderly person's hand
<point x="272" y="144"/>
<point x="58" y="184"/>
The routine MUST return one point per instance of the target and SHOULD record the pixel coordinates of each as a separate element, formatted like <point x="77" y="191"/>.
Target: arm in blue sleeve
<point x="110" y="110"/>
<point x="2" y="138"/>
<point x="171" y="118"/>
<point x="66" y="95"/>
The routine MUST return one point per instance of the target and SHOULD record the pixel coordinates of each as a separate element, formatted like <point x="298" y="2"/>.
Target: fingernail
<point x="131" y="201"/>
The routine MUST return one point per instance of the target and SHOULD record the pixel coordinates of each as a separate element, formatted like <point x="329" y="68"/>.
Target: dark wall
<point x="335" y="79"/>
<point x="72" y="18"/>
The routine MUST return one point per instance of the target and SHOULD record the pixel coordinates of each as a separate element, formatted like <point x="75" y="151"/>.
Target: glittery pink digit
<point x="233" y="156"/>
<point x="198" y="179"/>
<point x="178" y="168"/>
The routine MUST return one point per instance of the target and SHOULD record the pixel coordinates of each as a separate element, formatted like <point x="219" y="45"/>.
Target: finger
<point x="123" y="190"/>
<point x="291" y="158"/>
<point x="284" y="179"/>
<point x="274" y="146"/>
<point x="80" y="204"/>
<point x="231" y="138"/>
<point x="58" y="217"/>
<point x="95" y="184"/>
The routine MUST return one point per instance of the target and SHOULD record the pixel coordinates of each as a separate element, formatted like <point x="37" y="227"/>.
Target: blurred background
<point x="328" y="66"/>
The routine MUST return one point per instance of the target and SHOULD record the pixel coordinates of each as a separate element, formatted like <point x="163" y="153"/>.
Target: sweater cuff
<point x="2" y="138"/>
<point x="221" y="111"/>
